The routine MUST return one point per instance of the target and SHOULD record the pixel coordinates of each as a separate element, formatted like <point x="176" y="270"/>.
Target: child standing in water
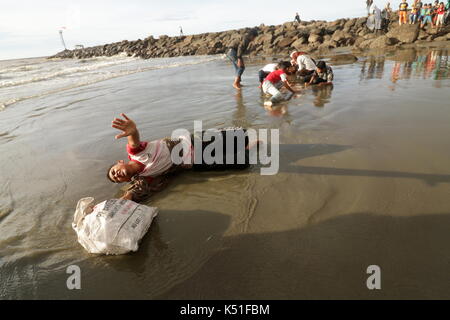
<point x="275" y="80"/>
<point x="402" y="12"/>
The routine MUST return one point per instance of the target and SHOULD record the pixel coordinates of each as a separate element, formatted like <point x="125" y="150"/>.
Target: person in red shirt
<point x="275" y="80"/>
<point x="440" y="13"/>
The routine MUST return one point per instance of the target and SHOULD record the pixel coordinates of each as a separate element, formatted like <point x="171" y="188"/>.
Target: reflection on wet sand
<point x="373" y="68"/>
<point x="322" y="94"/>
<point x="411" y="64"/>
<point x="363" y="177"/>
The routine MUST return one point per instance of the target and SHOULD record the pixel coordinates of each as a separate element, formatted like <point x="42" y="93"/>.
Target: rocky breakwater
<point x="312" y="36"/>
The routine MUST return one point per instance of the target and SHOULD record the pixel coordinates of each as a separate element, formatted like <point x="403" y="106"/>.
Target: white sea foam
<point x="44" y="77"/>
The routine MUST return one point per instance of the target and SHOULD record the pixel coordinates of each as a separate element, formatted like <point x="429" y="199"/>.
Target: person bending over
<point x="322" y="75"/>
<point x="305" y="64"/>
<point x="275" y="80"/>
<point x="264" y="72"/>
<point x="150" y="163"/>
<point x="236" y="50"/>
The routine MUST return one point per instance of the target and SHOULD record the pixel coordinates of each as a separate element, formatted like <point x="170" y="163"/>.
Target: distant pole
<point x="62" y="39"/>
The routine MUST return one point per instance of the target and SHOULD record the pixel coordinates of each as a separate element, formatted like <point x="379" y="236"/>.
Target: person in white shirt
<point x="304" y="63"/>
<point x="264" y="72"/>
<point x="151" y="162"/>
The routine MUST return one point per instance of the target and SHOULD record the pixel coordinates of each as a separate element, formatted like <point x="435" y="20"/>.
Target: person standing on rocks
<point x="447" y="9"/>
<point x="369" y="4"/>
<point x="402" y="12"/>
<point x="440" y="16"/>
<point x="297" y="18"/>
<point x="378" y="19"/>
<point x="181" y="32"/>
<point x="386" y="15"/>
<point x="427" y="13"/>
<point x="236" y="50"/>
<point x="413" y="17"/>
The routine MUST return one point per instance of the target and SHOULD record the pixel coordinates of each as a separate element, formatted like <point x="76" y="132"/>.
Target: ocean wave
<point x="99" y="77"/>
<point x="63" y="72"/>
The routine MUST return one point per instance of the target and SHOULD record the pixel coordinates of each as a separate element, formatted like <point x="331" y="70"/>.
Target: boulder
<point x="314" y="38"/>
<point x="298" y="43"/>
<point x="343" y="58"/>
<point x="380" y="42"/>
<point x="285" y="42"/>
<point x="407" y="33"/>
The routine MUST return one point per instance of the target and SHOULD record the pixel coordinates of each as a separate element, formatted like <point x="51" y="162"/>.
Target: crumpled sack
<point x="113" y="227"/>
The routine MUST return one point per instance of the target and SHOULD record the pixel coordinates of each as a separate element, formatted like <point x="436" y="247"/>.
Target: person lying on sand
<point x="323" y="75"/>
<point x="151" y="162"/>
<point x="275" y="80"/>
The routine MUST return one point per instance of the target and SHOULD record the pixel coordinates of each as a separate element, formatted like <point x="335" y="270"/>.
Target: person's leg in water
<point x="271" y="89"/>
<point x="239" y="70"/>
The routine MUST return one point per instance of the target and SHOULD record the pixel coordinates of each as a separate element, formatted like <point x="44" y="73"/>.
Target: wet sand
<point x="364" y="180"/>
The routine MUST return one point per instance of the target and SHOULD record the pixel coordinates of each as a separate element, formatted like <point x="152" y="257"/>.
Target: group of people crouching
<point x="274" y="76"/>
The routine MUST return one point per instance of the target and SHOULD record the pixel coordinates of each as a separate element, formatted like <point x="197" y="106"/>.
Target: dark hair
<point x="284" y="64"/>
<point x="108" y="176"/>
<point x="321" y="65"/>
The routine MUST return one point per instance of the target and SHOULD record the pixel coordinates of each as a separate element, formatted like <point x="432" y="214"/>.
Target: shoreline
<point x="311" y="36"/>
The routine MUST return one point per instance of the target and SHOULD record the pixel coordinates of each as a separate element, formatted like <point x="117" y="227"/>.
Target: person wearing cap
<point x="321" y="76"/>
<point x="304" y="63"/>
<point x="237" y="49"/>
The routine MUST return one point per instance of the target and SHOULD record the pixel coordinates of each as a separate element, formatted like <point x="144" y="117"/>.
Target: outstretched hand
<point x="127" y="126"/>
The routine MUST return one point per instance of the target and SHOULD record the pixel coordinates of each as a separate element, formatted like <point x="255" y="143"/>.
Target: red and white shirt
<point x="154" y="157"/>
<point x="277" y="76"/>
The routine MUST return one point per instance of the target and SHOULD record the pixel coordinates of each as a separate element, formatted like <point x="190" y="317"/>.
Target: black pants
<point x="235" y="153"/>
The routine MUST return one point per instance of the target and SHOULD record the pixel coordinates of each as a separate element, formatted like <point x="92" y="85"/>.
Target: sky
<point x="31" y="28"/>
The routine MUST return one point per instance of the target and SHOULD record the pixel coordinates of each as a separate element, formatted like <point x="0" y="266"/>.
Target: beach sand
<point x="364" y="180"/>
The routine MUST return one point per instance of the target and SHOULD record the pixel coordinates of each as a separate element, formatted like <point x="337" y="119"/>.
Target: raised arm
<point x="129" y="130"/>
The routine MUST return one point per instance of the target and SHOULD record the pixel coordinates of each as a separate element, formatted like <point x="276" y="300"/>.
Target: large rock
<point x="285" y="42"/>
<point x="407" y="33"/>
<point x="298" y="43"/>
<point x="343" y="58"/>
<point x="339" y="36"/>
<point x="380" y="42"/>
<point x="314" y="38"/>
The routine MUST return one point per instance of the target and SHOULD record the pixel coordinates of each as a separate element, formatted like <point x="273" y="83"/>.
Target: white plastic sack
<point x="112" y="227"/>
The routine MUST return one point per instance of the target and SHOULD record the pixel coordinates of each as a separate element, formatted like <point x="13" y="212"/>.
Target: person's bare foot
<point x="237" y="86"/>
